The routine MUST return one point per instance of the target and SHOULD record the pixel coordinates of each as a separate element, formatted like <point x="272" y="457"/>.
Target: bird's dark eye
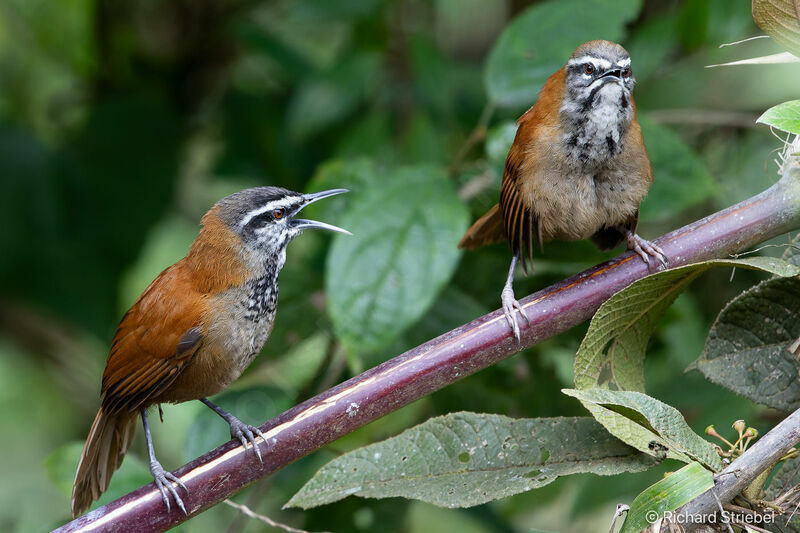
<point x="626" y="72"/>
<point x="588" y="68"/>
<point x="278" y="214"/>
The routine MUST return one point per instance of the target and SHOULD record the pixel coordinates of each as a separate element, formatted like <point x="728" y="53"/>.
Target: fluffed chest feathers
<point x="241" y="323"/>
<point x="248" y="322"/>
<point x="593" y="177"/>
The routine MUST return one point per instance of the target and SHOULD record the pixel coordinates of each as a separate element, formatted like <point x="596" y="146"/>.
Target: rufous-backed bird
<point x="194" y="330"/>
<point x="578" y="167"/>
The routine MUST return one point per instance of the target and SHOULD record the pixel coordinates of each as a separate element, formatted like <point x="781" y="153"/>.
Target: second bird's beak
<point x="612" y="75"/>
<point x="301" y="223"/>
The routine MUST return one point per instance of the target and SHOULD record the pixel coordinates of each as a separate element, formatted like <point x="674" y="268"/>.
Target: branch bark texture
<point x="440" y="362"/>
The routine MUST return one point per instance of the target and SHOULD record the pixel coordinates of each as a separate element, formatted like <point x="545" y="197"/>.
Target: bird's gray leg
<point x="161" y="477"/>
<point x="239" y="430"/>
<point x="510" y="304"/>
<point x="646" y="249"/>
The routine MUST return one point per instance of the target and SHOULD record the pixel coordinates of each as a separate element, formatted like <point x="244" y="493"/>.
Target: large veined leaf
<point x="781" y="20"/>
<point x="746" y="350"/>
<point x="785" y="116"/>
<point x="402" y="252"/>
<point x="648" y="425"/>
<point x="465" y="459"/>
<point x="667" y="494"/>
<point x="612" y="353"/>
<point x="539" y="41"/>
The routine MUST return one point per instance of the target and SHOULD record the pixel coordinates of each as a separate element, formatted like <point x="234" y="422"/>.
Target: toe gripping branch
<point x="239" y="430"/>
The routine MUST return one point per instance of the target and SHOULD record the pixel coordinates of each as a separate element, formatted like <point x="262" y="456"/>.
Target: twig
<point x="758" y="458"/>
<point x="719" y="506"/>
<point x="252" y="514"/>
<point x="255" y="495"/>
<point x="621" y="510"/>
<point x="446" y="359"/>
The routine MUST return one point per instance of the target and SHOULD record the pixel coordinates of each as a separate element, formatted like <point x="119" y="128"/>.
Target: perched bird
<point x="194" y="330"/>
<point x="577" y="169"/>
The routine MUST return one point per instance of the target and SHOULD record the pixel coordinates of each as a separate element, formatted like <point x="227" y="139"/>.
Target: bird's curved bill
<point x="301" y="223"/>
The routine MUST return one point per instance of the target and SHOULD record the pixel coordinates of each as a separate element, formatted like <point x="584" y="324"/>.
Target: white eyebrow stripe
<point x="275" y="204"/>
<point x="624" y="62"/>
<point x="599" y="61"/>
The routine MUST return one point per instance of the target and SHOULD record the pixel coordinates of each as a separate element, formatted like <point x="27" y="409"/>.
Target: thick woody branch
<point x="740" y="473"/>
<point x="440" y="362"/>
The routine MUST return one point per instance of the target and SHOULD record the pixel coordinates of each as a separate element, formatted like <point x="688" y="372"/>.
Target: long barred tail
<point x="102" y="454"/>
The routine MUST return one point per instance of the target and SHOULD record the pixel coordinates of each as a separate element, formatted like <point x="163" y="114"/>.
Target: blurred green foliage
<point x="121" y="122"/>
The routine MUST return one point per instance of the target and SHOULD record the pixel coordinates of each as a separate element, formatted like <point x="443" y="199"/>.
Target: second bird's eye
<point x="626" y="72"/>
<point x="588" y="68"/>
<point x="278" y="214"/>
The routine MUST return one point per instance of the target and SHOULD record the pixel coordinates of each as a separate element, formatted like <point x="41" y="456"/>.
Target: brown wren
<point x="577" y="169"/>
<point x="194" y="330"/>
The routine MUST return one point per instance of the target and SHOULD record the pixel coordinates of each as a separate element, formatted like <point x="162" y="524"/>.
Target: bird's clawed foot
<point x="239" y="430"/>
<point x="244" y="432"/>
<point x="163" y="481"/>
<point x="510" y="305"/>
<point x="646" y="250"/>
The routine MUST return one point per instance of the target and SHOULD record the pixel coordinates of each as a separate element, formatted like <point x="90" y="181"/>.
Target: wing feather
<point x="156" y="338"/>
<point x="520" y="223"/>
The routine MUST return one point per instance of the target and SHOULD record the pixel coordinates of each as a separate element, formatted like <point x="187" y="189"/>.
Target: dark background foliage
<point x="122" y="122"/>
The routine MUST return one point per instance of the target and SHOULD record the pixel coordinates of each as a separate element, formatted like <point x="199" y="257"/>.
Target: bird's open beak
<point x="301" y="223"/>
<point x="613" y="75"/>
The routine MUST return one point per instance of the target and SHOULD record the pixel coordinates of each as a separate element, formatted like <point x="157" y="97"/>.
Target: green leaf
<point x="402" y="253"/>
<point x="780" y="19"/>
<point x="673" y="491"/>
<point x="681" y="180"/>
<point x="648" y="425"/>
<point x="465" y="459"/>
<point x="539" y="41"/>
<point x="785" y="117"/>
<point x="746" y="349"/>
<point x="612" y="353"/>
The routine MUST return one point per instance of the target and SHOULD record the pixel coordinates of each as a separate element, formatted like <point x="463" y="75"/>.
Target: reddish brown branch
<point x="439" y="362"/>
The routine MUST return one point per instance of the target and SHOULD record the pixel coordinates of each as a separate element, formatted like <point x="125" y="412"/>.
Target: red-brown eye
<point x="588" y="68"/>
<point x="626" y="72"/>
<point x="278" y="214"/>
